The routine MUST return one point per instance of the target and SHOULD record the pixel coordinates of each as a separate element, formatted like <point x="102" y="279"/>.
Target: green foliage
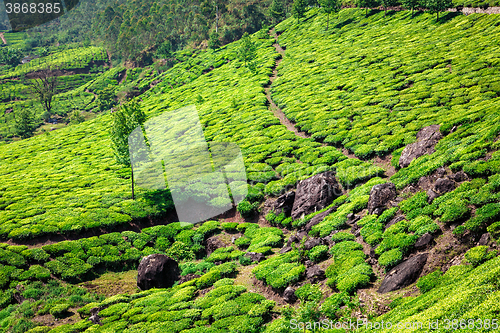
<point x="309" y="292"/>
<point x="390" y="258"/>
<point x="299" y="9"/>
<point x="437" y="6"/>
<point x="280" y="271"/>
<point x="331" y="306"/>
<point x="329" y="7"/>
<point x="277" y="10"/>
<point x="318" y="253"/>
<point x="245" y="208"/>
<point x="25" y="122"/>
<point x="479" y="254"/>
<point x="59" y="310"/>
<point x="429" y="281"/>
<point x="247" y="52"/>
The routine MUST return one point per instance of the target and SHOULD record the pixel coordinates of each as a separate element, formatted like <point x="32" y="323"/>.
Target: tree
<point x="10" y="56"/>
<point x="436" y="6"/>
<point x="410" y="4"/>
<point x="127" y="118"/>
<point x="44" y="86"/>
<point x="214" y="42"/>
<point x="329" y="7"/>
<point x="299" y="9"/>
<point x="387" y="3"/>
<point x="277" y="11"/>
<point x="25" y="122"/>
<point x="367" y="4"/>
<point x="247" y="52"/>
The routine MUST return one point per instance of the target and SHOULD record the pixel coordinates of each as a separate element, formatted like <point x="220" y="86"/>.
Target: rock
<point x="213" y="244"/>
<point x="315" y="193"/>
<point x="289" y="295"/>
<point x="317" y="219"/>
<point x="18" y="297"/>
<point x="233" y="239"/>
<point x="326" y="240"/>
<point x="357" y="233"/>
<point x="94" y="316"/>
<point x="284" y="204"/>
<point x="308" y="263"/>
<point x="424" y="182"/>
<point x="459" y="176"/>
<point x="431" y="195"/>
<point x="380" y="196"/>
<point x="440" y="172"/>
<point x="485" y="238"/>
<point x="291" y="240"/>
<point x="423" y="241"/>
<point x="301" y="234"/>
<point x="157" y="271"/>
<point x="309" y="244"/>
<point x="315" y="274"/>
<point x="286" y="249"/>
<point x="257" y="257"/>
<point x="188" y="277"/>
<point x="394" y="220"/>
<point x="372" y="253"/>
<point x="403" y="274"/>
<point x="427" y="138"/>
<point x="444" y="185"/>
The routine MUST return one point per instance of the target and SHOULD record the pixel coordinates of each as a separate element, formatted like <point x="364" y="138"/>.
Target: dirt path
<point x="272" y="106"/>
<point x="3" y="38"/>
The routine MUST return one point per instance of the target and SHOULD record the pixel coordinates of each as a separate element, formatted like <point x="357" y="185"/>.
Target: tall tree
<point x="367" y="4"/>
<point x="127" y="118"/>
<point x="329" y="7"/>
<point x="247" y="51"/>
<point x="410" y="4"/>
<point x="299" y="9"/>
<point x="277" y="10"/>
<point x="387" y="3"/>
<point x="436" y="6"/>
<point x="44" y="87"/>
<point x="25" y="122"/>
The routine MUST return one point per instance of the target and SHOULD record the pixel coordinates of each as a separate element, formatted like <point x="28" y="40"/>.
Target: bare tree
<point x="43" y="85"/>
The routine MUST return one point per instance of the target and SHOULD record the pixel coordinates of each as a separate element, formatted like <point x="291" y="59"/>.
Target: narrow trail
<point x="272" y="106"/>
<point x="3" y="38"/>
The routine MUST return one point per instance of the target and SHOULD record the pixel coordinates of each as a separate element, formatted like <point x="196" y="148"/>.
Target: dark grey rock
<point x="315" y="193"/>
<point x="380" y="196"/>
<point x="485" y="238"/>
<point x="284" y="204"/>
<point x="289" y="295"/>
<point x="188" y="277"/>
<point x="94" y="316"/>
<point x="427" y="138"/>
<point x="257" y="257"/>
<point x="459" y="176"/>
<point x="431" y="195"/>
<point x="444" y="185"/>
<point x="308" y="263"/>
<point x="213" y="244"/>
<point x="423" y="241"/>
<point x="403" y="274"/>
<point x="394" y="220"/>
<point x="440" y="172"/>
<point x="291" y="239"/>
<point x="315" y="274"/>
<point x="286" y="249"/>
<point x="157" y="271"/>
<point x="309" y="244"/>
<point x="372" y="253"/>
<point x="317" y="219"/>
<point x="18" y="297"/>
<point x="301" y="234"/>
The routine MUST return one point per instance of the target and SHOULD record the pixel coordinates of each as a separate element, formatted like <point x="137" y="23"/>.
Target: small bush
<point x="229" y="226"/>
<point x="309" y="292"/>
<point x="390" y="258"/>
<point x="332" y="304"/>
<point x="342" y="236"/>
<point x="59" y="310"/>
<point x="318" y="253"/>
<point x="245" y="208"/>
<point x="479" y="254"/>
<point x="243" y="242"/>
<point x="429" y="281"/>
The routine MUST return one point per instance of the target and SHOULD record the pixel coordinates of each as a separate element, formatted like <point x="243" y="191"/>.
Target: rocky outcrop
<point x="423" y="241"/>
<point x="256" y="257"/>
<point x="284" y="204"/>
<point x="157" y="271"/>
<point x="213" y="244"/>
<point x="289" y="295"/>
<point x="427" y="138"/>
<point x="444" y="185"/>
<point x="380" y="196"/>
<point x="310" y="243"/>
<point x="94" y="316"/>
<point x="314" y="194"/>
<point x="317" y="219"/>
<point x="459" y="176"/>
<point x="403" y="274"/>
<point x="315" y="274"/>
<point x="395" y="220"/>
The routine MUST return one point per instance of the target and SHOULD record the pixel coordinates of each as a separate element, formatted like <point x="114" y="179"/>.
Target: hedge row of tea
<point x="369" y="84"/>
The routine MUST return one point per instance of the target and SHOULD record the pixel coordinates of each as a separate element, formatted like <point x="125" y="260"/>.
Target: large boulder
<point x="427" y="138"/>
<point x="284" y="204"/>
<point x="157" y="271"/>
<point x="315" y="193"/>
<point x="380" y="196"/>
<point x="255" y="257"/>
<point x="289" y="295"/>
<point x="403" y="274"/>
<point x="315" y="274"/>
<point x="423" y="241"/>
<point x="444" y="185"/>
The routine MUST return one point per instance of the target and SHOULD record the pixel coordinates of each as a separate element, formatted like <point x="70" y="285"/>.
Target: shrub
<point x="59" y="310"/>
<point x="309" y="292"/>
<point x="349" y="284"/>
<point x="390" y="258"/>
<point x="413" y="206"/>
<point x="243" y="242"/>
<point x="429" y="281"/>
<point x="245" y="208"/>
<point x="180" y="251"/>
<point x="342" y="236"/>
<point x="245" y="261"/>
<point x="479" y="254"/>
<point x="39" y="273"/>
<point x="35" y="254"/>
<point x="224" y="282"/>
<point x="332" y="304"/>
<point x="494" y="230"/>
<point x="318" y="253"/>
<point x="229" y="226"/>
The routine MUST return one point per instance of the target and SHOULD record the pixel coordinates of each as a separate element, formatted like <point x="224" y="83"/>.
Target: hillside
<point x="371" y="154"/>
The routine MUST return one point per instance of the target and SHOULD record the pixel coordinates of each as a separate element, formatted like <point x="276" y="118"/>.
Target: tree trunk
<point x="437" y="13"/>
<point x="217" y="18"/>
<point x="327" y="20"/>
<point x="411" y="11"/>
<point x="366" y="11"/>
<point x="132" y="177"/>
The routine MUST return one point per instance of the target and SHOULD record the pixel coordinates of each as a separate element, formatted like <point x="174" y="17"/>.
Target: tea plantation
<point x="361" y="92"/>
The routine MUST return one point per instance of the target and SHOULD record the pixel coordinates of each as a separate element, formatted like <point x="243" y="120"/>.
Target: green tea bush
<point x="280" y="271"/>
<point x="309" y="292"/>
<point x="479" y="254"/>
<point x="331" y="306"/>
<point x="318" y="253"/>
<point x="246" y="209"/>
<point x="429" y="281"/>
<point x="342" y="236"/>
<point x="59" y="310"/>
<point x="390" y="258"/>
